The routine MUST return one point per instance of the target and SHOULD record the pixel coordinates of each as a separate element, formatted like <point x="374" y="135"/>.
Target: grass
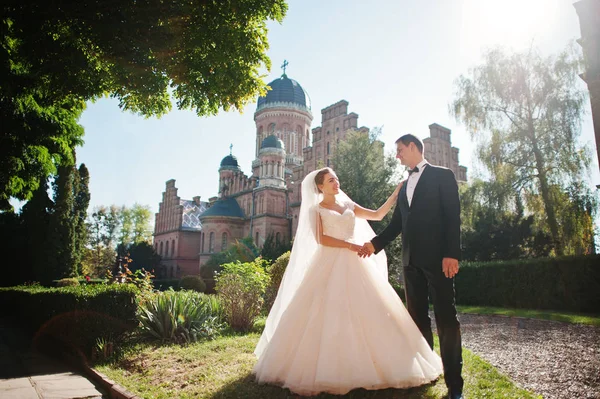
<point x="575" y="318"/>
<point x="222" y="369"/>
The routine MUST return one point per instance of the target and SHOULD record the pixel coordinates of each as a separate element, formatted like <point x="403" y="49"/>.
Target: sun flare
<point x="511" y="23"/>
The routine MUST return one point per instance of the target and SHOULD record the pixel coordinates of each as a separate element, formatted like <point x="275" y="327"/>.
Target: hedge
<point x="76" y="315"/>
<point x="566" y="283"/>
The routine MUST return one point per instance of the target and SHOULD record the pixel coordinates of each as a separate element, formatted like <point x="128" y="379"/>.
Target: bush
<point x="276" y="271"/>
<point x="567" y="283"/>
<point x="192" y="283"/>
<point x="180" y="317"/>
<point x="241" y="287"/>
<point x="77" y="315"/>
<point x="67" y="282"/>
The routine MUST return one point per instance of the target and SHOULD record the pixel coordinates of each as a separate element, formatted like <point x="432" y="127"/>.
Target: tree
<point x="142" y="255"/>
<point x="16" y="259"/>
<point x="100" y="251"/>
<point x="366" y="175"/>
<point x="208" y="55"/>
<point x="61" y="236"/>
<point x="494" y="226"/>
<point x="82" y="201"/>
<point x="526" y="112"/>
<point x="274" y="248"/>
<point x="142" y="223"/>
<point x="35" y="218"/>
<point x="135" y="225"/>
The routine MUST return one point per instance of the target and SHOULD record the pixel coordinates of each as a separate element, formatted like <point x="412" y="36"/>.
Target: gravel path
<point x="554" y="359"/>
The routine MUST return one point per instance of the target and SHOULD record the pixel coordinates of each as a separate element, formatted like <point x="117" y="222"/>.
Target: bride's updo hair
<point x="320" y="177"/>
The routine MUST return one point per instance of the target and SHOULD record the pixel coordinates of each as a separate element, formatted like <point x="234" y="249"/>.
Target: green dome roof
<point x="230" y="161"/>
<point x="272" y="142"/>
<point x="227" y="207"/>
<point x="285" y="90"/>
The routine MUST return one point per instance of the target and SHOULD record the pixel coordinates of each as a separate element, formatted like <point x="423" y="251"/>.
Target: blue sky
<point x="394" y="62"/>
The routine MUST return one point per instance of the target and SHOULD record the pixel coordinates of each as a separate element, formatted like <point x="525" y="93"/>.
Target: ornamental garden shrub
<point x="241" y="287"/>
<point x="180" y="317"/>
<point x="276" y="271"/>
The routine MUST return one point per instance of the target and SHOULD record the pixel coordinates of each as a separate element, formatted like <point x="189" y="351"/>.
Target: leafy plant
<point x="241" y="287"/>
<point x="180" y="317"/>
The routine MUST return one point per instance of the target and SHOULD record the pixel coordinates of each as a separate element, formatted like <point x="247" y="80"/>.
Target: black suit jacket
<point x="430" y="227"/>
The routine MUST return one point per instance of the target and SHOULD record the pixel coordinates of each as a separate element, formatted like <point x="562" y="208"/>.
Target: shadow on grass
<point x="246" y="387"/>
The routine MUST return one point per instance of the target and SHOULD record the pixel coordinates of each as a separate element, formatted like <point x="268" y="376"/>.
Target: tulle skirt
<point x="346" y="328"/>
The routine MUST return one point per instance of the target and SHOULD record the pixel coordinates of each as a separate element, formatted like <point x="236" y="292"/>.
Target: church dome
<point x="272" y="142"/>
<point x="230" y="162"/>
<point x="285" y="92"/>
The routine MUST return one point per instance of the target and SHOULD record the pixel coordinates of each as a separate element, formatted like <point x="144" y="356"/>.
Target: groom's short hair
<point x="410" y="138"/>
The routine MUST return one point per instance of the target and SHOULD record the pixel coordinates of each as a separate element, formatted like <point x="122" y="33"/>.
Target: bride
<point x="337" y="324"/>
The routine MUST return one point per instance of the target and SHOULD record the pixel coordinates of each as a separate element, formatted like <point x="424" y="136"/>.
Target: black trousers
<point x="419" y="283"/>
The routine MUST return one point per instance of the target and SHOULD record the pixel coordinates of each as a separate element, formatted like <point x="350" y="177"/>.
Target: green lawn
<point x="222" y="369"/>
<point x="567" y="317"/>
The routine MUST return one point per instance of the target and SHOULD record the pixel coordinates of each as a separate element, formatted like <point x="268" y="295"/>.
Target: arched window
<point x="173" y="248"/>
<point x="278" y="237"/>
<point x="224" y="242"/>
<point x="257" y="237"/>
<point x="202" y="243"/>
<point x="161" y="249"/>
<point x="271" y="128"/>
<point x="328" y="149"/>
<point x="211" y="242"/>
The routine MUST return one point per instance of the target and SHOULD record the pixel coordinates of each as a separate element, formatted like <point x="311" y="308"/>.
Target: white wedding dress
<point x="345" y="327"/>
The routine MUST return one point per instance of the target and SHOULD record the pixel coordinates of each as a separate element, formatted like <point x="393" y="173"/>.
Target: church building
<point x="265" y="202"/>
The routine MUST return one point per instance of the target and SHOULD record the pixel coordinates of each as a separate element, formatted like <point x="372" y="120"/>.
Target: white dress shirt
<point x="413" y="179"/>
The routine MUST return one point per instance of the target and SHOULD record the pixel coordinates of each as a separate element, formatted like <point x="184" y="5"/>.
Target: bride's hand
<point x="354" y="247"/>
<point x="397" y="191"/>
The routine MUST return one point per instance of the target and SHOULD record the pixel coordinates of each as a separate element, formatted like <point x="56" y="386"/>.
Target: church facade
<point x="267" y="201"/>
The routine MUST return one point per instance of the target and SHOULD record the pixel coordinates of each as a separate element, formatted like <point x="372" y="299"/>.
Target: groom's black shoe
<point x="455" y="395"/>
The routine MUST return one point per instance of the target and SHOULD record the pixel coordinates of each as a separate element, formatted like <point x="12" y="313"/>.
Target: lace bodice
<point x="336" y="225"/>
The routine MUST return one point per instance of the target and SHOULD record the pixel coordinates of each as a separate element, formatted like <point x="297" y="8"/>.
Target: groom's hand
<point x="450" y="267"/>
<point x="367" y="250"/>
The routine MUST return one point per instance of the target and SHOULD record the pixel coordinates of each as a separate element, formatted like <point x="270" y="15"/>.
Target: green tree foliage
<point x="35" y="217"/>
<point x="494" y="226"/>
<point x="61" y="236"/>
<point x="16" y="262"/>
<point x="102" y="228"/>
<point x="142" y="223"/>
<point x="207" y="55"/>
<point x="142" y="255"/>
<point x="274" y="248"/>
<point x="525" y="111"/>
<point x="366" y="174"/>
<point x="82" y="201"/>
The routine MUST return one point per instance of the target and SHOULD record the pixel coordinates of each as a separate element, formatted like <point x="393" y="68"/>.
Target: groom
<point x="428" y="215"/>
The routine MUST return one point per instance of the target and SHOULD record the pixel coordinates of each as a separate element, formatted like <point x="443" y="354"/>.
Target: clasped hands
<point x="366" y="250"/>
<point x="449" y="265"/>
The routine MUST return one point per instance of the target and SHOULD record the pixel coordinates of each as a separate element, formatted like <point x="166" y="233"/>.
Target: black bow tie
<point x="411" y="171"/>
